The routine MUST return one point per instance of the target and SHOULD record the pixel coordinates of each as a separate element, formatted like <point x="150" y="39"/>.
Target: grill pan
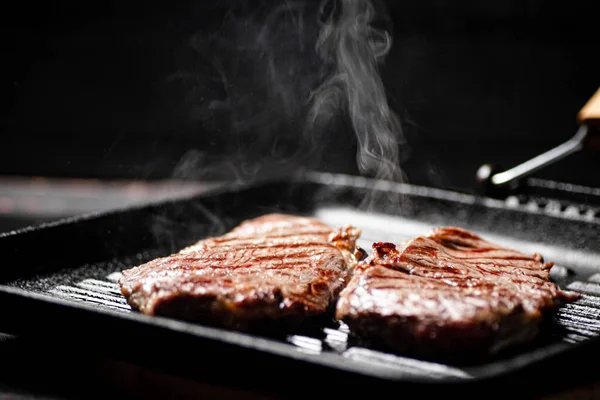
<point x="60" y="279"/>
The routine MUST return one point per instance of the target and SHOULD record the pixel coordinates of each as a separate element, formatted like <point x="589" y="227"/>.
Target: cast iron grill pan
<point x="62" y="280"/>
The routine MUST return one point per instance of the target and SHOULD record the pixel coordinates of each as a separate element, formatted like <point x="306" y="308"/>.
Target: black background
<point x="213" y="89"/>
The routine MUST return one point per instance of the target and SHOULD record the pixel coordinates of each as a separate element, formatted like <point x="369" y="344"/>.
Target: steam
<point x="279" y="85"/>
<point x="351" y="48"/>
<point x="272" y="89"/>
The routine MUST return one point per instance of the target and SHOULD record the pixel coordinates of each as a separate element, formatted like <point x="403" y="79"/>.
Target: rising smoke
<point x="286" y="82"/>
<point x="275" y="86"/>
<point x="351" y="48"/>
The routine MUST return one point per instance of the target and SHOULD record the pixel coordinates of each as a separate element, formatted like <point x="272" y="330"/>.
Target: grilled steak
<point x="449" y="294"/>
<point x="273" y="270"/>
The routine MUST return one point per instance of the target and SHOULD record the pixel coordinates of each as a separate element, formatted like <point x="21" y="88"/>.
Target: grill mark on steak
<point x="271" y="270"/>
<point x="449" y="295"/>
<point x="279" y="235"/>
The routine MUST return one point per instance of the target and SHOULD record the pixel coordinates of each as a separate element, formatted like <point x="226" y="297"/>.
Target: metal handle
<point x="587" y="136"/>
<point x="572" y="145"/>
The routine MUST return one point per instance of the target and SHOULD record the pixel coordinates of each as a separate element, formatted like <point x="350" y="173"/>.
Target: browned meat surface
<point x="449" y="294"/>
<point x="275" y="269"/>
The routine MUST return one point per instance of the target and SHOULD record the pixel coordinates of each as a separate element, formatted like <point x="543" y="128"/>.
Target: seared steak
<point x="449" y="294"/>
<point x="269" y="270"/>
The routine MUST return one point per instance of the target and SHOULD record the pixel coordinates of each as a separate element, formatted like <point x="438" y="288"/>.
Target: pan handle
<point x="589" y="116"/>
<point x="588" y="136"/>
<point x="590" y="113"/>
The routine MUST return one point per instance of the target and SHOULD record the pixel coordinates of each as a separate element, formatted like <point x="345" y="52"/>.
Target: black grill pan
<point x="58" y="281"/>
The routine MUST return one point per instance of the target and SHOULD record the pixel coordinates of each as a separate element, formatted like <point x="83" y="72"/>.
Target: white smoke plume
<point x="351" y="48"/>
